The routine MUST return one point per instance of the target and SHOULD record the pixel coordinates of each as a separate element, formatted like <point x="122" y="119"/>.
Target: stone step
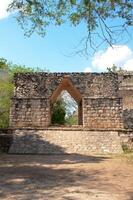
<point x="65" y="142"/>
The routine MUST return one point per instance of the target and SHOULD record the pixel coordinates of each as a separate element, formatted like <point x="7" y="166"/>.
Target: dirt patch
<point x="66" y="177"/>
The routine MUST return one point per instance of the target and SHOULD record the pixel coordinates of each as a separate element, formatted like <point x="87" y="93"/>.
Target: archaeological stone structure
<point x="105" y="113"/>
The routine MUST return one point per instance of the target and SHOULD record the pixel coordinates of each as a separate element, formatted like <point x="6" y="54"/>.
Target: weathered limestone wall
<point x="106" y="114"/>
<point x="6" y="139"/>
<point x="126" y="93"/>
<point x="128" y="118"/>
<point x="127" y="96"/>
<point x="105" y="103"/>
<point x="65" y="141"/>
<point x="30" y="112"/>
<point x="103" y="113"/>
<point x="31" y="104"/>
<point x="44" y="84"/>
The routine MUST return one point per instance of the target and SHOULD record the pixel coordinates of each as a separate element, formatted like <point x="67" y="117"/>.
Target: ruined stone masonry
<point x="105" y="109"/>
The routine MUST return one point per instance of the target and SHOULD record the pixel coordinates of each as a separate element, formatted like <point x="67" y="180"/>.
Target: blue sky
<point x="55" y="50"/>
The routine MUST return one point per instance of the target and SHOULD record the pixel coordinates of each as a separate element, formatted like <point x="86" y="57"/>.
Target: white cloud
<point x="121" y="56"/>
<point x="128" y="65"/>
<point x="3" y="8"/>
<point x="87" y="69"/>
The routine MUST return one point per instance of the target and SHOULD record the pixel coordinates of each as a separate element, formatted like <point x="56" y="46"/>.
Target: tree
<point x="115" y="69"/>
<point x="7" y="71"/>
<point x="6" y="90"/>
<point x="70" y="104"/>
<point x="72" y="119"/>
<point x="37" y="15"/>
<point x="58" y="112"/>
<point x="71" y="108"/>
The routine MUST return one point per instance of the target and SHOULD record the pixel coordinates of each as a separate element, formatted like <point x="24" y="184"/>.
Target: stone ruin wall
<point x="106" y="112"/>
<point x="61" y="141"/>
<point x="102" y="106"/>
<point x="103" y="113"/>
<point x="126" y="92"/>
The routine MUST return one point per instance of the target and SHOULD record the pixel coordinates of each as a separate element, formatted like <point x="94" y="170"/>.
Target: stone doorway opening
<point x="66" y="105"/>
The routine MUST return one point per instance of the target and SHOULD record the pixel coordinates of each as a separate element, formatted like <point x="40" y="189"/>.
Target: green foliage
<point x="7" y="71"/>
<point x="37" y="15"/>
<point x="4" y="64"/>
<point x="72" y="120"/>
<point x="6" y="90"/>
<point x="127" y="149"/>
<point x="59" y="112"/>
<point x="115" y="69"/>
<point x="58" y="115"/>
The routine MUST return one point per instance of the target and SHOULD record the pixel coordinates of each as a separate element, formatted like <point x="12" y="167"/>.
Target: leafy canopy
<point x="37" y="15"/>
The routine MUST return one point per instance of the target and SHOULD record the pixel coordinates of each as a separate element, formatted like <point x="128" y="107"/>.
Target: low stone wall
<point x="128" y="118"/>
<point x="65" y="142"/>
<point x="6" y="131"/>
<point x="126" y="138"/>
<point x="62" y="140"/>
<point x="6" y="139"/>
